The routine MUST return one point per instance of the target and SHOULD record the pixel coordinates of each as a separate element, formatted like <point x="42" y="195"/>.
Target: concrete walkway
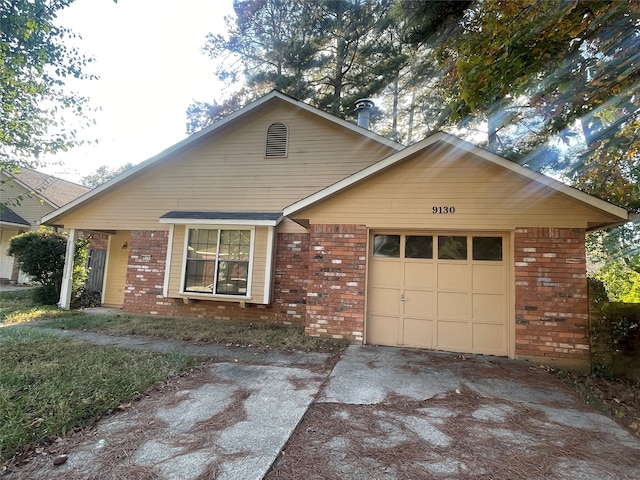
<point x="11" y="287"/>
<point x="229" y="420"/>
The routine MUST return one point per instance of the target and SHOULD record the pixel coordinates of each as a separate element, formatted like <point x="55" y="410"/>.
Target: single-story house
<point x="25" y="197"/>
<point x="284" y="213"/>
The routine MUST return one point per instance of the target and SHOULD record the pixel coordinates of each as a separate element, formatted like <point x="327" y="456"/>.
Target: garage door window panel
<point x="419" y="246"/>
<point x="452" y="248"/>
<point x="487" y="248"/>
<point x="386" y="246"/>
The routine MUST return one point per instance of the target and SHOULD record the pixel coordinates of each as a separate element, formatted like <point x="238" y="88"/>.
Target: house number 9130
<point x="443" y="210"/>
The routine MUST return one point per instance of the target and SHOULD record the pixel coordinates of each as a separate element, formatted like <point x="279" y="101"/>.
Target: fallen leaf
<point x="36" y="423"/>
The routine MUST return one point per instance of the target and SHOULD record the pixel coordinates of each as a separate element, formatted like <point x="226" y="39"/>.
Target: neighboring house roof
<point x="9" y="217"/>
<point x="263" y="102"/>
<point x="55" y="191"/>
<point x="444" y="138"/>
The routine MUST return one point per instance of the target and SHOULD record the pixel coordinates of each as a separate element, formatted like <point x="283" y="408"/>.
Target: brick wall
<point x="145" y="278"/>
<point x="552" y="320"/>
<point x="336" y="290"/>
<point x="291" y="275"/>
<point x="145" y="273"/>
<point x="99" y="241"/>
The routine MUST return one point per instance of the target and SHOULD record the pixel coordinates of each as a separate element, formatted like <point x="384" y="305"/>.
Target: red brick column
<point x="337" y="272"/>
<point x="145" y="272"/>
<point x="552" y="313"/>
<point x="291" y="275"/>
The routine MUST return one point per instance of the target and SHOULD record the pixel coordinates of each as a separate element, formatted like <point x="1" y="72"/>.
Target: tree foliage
<point x="36" y="59"/>
<point x="538" y="58"/>
<point x="103" y="174"/>
<point x="328" y="53"/>
<point x="41" y="255"/>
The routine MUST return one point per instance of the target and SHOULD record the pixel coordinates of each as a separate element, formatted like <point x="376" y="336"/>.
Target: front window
<point x="217" y="261"/>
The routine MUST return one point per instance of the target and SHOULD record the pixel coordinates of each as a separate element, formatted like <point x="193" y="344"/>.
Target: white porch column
<point x="67" y="276"/>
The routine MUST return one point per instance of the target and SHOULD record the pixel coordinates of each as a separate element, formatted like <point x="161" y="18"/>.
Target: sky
<point x="148" y="57"/>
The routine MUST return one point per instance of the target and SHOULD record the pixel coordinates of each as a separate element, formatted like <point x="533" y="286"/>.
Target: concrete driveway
<point x="381" y="413"/>
<point x="391" y="413"/>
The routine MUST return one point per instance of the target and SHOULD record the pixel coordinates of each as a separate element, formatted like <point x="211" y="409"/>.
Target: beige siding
<point x="228" y="172"/>
<point x="116" y="269"/>
<point x="257" y="275"/>
<point x="485" y="196"/>
<point x="289" y="226"/>
<point x="6" y="262"/>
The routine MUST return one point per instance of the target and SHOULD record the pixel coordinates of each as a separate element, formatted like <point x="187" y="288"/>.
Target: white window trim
<point x="214" y="295"/>
<point x="271" y="259"/>
<point x="167" y="262"/>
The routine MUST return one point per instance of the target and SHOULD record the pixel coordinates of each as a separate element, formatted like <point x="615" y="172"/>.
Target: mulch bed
<point x="618" y="398"/>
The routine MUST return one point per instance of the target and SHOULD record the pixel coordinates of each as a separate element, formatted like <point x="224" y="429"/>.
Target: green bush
<point x="615" y="335"/>
<point x="41" y="255"/>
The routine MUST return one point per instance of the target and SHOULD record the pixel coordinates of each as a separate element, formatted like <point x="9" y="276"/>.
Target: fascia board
<point x="212" y="221"/>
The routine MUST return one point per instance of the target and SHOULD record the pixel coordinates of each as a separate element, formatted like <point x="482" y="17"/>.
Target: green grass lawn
<point x="241" y="333"/>
<point x="50" y="386"/>
<point x="18" y="307"/>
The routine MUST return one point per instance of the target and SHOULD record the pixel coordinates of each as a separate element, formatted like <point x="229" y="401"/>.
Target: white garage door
<point x="440" y="291"/>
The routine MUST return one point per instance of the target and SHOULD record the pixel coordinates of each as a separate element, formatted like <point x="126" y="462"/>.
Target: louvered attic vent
<point x="277" y="136"/>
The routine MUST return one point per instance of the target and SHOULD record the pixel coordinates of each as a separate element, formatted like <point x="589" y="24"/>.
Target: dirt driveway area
<point x="380" y="413"/>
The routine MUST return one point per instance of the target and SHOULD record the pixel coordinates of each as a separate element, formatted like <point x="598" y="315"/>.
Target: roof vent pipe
<point x="364" y="106"/>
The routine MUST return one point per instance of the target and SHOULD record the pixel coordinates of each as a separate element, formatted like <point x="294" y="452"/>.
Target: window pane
<point x="199" y="276"/>
<point x="232" y="252"/>
<point x="452" y="248"/>
<point x="233" y="269"/>
<point x="487" y="248"/>
<point x="418" y="246"/>
<point x="235" y="245"/>
<point x="232" y="278"/>
<point x="386" y="246"/>
<point x="202" y="244"/>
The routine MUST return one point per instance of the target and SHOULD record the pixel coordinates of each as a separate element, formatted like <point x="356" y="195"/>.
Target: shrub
<point x="41" y="255"/>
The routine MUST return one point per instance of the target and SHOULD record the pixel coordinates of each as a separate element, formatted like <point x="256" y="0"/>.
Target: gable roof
<point x="53" y="190"/>
<point x="447" y="139"/>
<point x="9" y="217"/>
<point x="261" y="103"/>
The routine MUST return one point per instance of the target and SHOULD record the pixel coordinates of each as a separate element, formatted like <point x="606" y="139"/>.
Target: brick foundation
<point x="337" y="273"/>
<point x="551" y="310"/>
<point x="145" y="278"/>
